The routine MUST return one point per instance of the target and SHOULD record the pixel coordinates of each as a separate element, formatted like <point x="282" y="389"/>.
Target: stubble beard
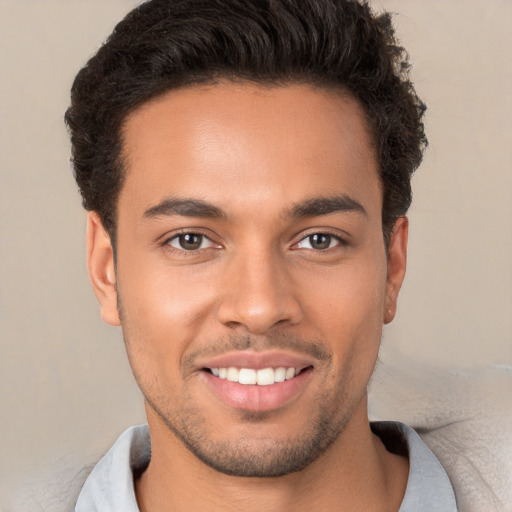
<point x="262" y="458"/>
<point x="250" y="456"/>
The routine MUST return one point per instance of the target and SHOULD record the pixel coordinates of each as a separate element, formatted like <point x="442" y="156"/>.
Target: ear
<point x="100" y="263"/>
<point x="397" y="262"/>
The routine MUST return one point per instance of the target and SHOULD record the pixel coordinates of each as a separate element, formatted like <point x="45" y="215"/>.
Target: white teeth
<point x="232" y="374"/>
<point x="263" y="377"/>
<point x="290" y="373"/>
<point x="247" y="376"/>
<point x="280" y="374"/>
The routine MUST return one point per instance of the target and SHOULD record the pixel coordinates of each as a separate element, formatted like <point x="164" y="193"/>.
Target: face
<point x="252" y="280"/>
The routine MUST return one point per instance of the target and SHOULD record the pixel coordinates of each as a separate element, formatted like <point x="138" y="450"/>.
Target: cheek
<point x="349" y="298"/>
<point x="348" y="313"/>
<point x="161" y="295"/>
<point x="162" y="313"/>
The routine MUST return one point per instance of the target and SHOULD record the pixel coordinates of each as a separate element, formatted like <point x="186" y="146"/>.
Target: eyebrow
<point x="325" y="205"/>
<point x="313" y="207"/>
<point x="185" y="208"/>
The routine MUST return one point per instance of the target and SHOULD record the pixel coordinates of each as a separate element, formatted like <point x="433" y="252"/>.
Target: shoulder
<point x="110" y="484"/>
<point x="428" y="485"/>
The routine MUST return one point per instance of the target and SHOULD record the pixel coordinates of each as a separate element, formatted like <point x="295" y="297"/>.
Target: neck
<point x="355" y="473"/>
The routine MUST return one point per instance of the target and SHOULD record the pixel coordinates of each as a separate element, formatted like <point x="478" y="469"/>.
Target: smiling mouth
<point x="260" y="377"/>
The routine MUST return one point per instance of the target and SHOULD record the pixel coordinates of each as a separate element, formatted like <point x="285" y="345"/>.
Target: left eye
<point x="190" y="242"/>
<point x="319" y="242"/>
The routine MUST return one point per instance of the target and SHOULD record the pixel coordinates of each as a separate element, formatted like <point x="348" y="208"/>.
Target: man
<point x="247" y="166"/>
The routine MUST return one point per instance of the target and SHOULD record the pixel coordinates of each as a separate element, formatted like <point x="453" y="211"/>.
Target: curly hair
<point x="168" y="44"/>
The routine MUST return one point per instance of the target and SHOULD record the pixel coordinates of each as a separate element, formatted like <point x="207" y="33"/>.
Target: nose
<point x="259" y="294"/>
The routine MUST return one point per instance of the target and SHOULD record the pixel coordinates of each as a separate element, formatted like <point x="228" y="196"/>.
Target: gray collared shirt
<point x="110" y="487"/>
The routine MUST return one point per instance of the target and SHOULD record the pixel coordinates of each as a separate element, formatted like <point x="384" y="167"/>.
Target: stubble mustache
<point x="246" y="342"/>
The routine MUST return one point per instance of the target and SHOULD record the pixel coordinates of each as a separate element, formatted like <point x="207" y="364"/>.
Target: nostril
<point x="259" y="305"/>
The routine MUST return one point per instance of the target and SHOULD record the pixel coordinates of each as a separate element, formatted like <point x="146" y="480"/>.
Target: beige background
<point x="66" y="391"/>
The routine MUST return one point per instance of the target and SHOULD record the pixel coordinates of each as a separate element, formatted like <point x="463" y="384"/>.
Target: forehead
<point x="239" y="145"/>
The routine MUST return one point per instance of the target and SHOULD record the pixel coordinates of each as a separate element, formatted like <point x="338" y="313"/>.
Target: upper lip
<point x="256" y="360"/>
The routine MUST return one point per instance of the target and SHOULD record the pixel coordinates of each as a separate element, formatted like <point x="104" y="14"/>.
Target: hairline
<point x="216" y="80"/>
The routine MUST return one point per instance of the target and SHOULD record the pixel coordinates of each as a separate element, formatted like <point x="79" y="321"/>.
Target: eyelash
<point x="341" y="242"/>
<point x="167" y="242"/>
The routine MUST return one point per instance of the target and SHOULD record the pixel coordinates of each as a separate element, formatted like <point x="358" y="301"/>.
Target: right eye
<point x="320" y="241"/>
<point x="190" y="242"/>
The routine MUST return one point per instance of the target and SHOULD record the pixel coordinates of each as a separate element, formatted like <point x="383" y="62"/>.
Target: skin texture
<point x="263" y="159"/>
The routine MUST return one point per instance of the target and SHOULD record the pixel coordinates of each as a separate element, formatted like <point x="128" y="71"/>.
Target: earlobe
<point x="397" y="262"/>
<point x="100" y="264"/>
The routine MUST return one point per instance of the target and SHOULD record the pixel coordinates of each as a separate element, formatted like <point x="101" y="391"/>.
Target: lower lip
<point x="257" y="398"/>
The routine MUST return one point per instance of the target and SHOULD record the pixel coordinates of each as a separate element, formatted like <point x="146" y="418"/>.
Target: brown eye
<point x="319" y="242"/>
<point x="189" y="241"/>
